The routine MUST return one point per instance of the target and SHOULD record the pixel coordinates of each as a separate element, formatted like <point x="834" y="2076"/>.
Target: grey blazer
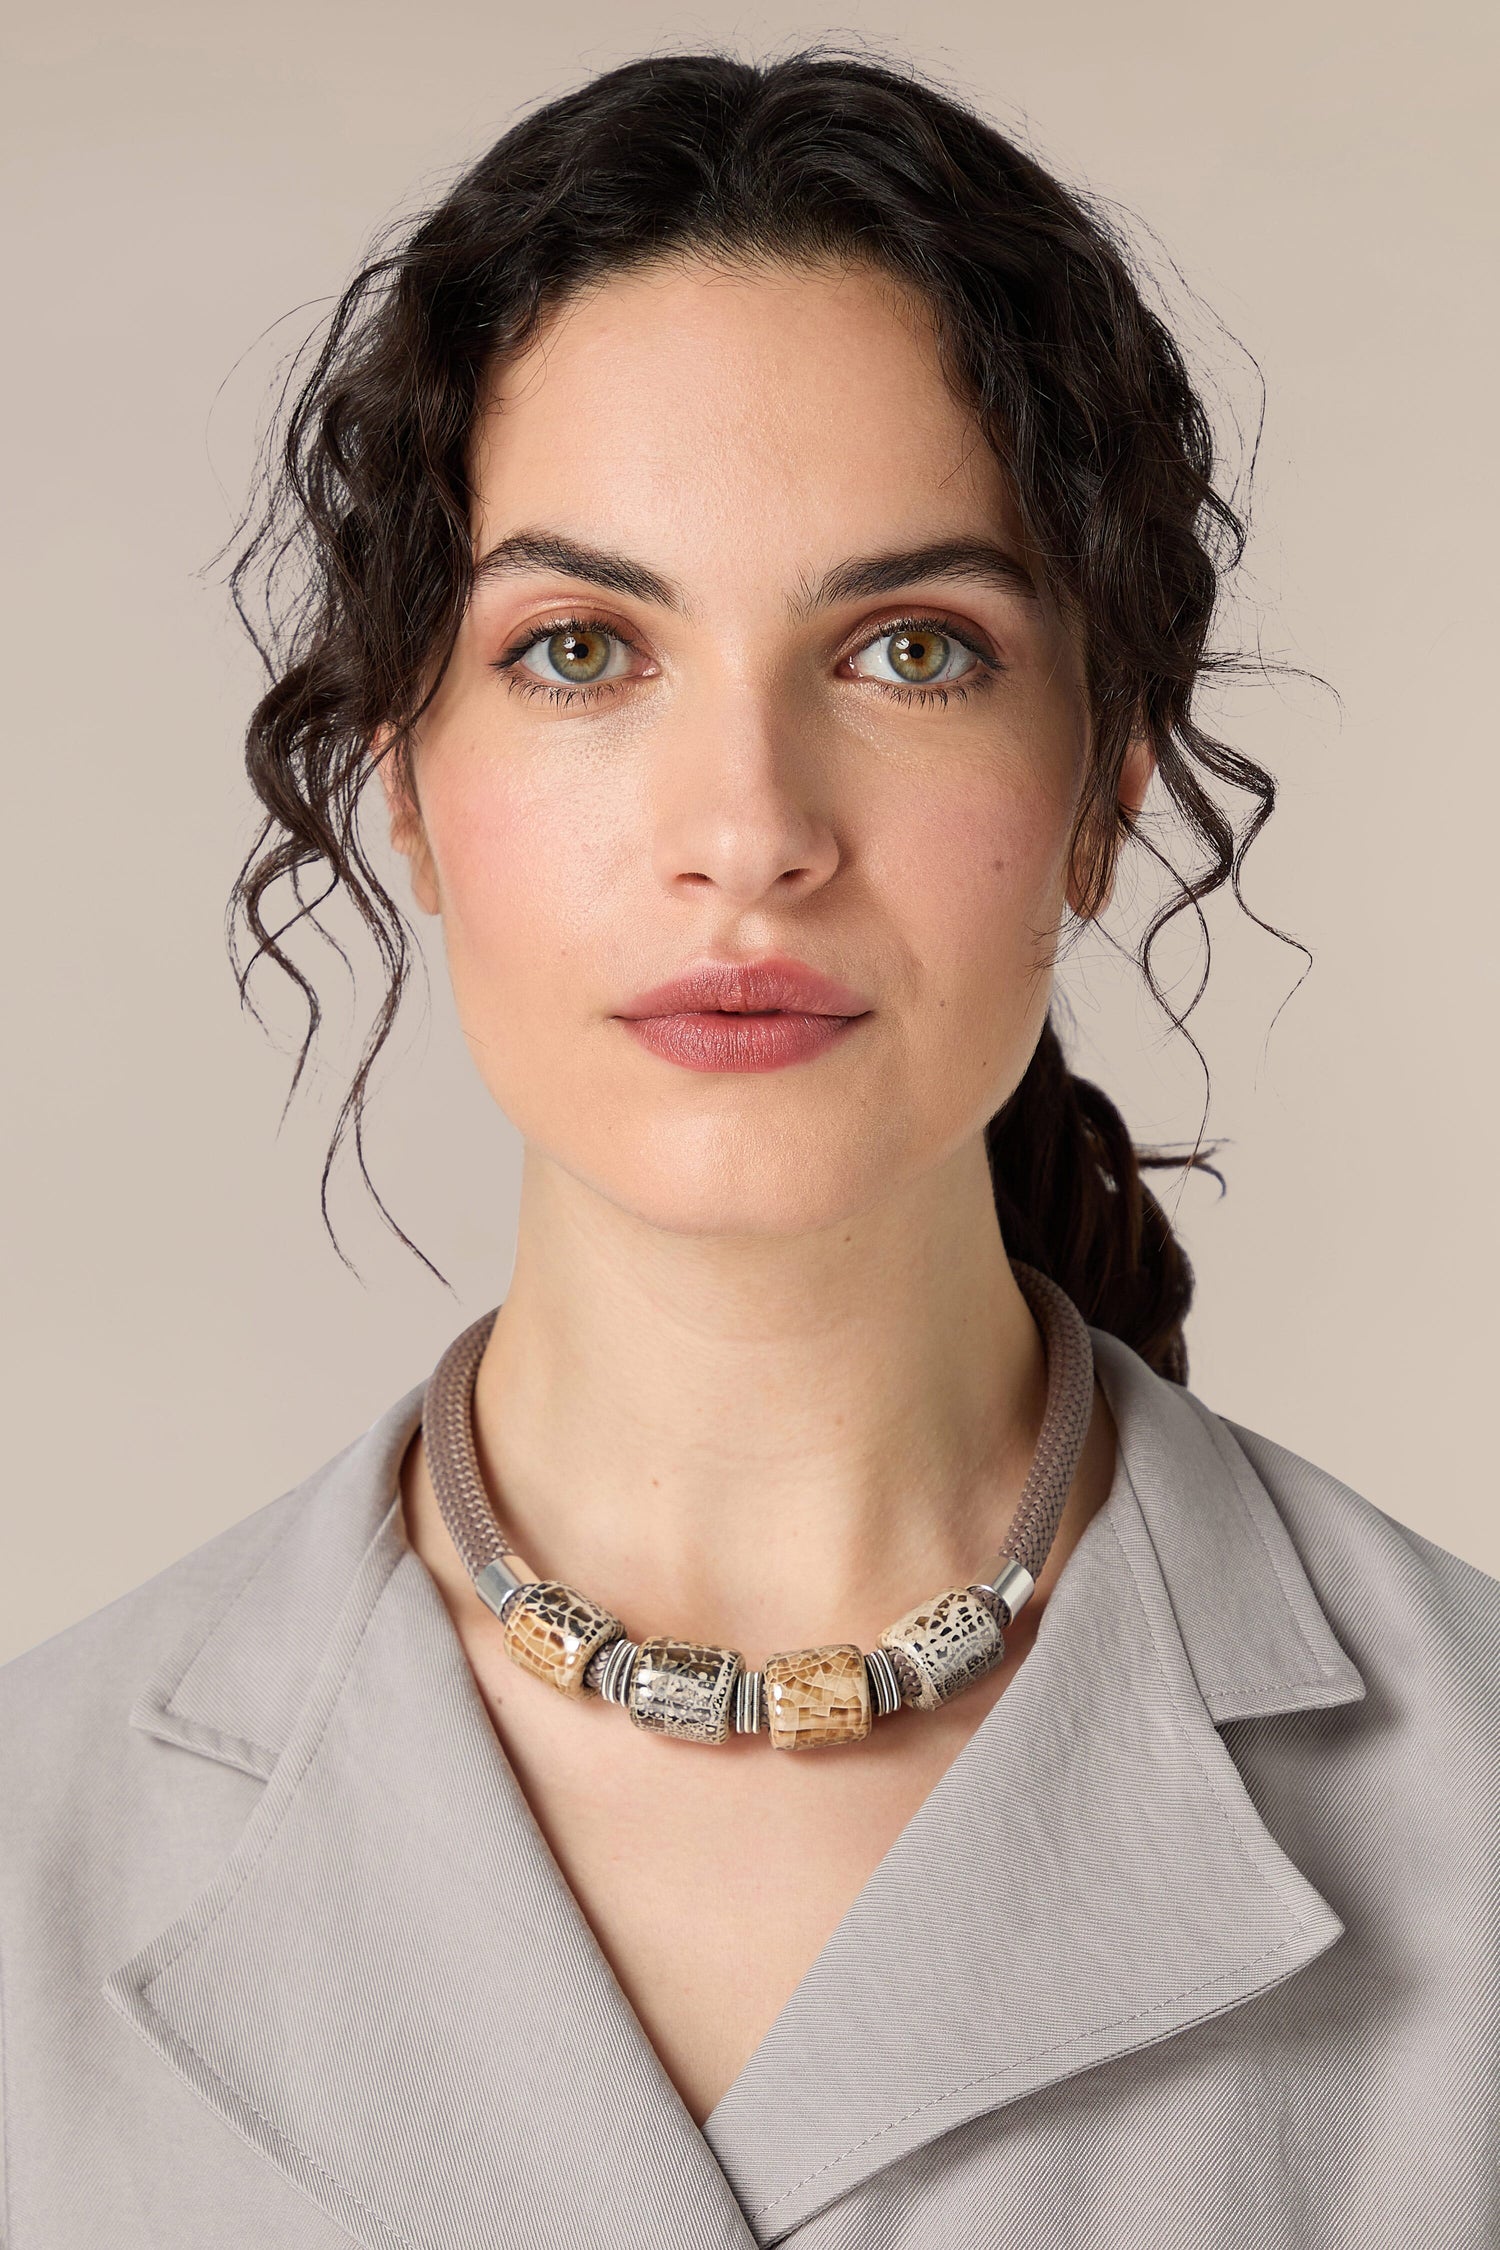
<point x="1196" y="1944"/>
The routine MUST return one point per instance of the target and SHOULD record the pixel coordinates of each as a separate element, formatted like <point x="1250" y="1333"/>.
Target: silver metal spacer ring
<point x="885" y="1686"/>
<point x="616" y="1663"/>
<point x="496" y="1585"/>
<point x="749" y="1702"/>
<point x="1011" y="1587"/>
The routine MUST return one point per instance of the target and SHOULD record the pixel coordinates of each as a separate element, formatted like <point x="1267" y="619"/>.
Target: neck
<point x="758" y="1442"/>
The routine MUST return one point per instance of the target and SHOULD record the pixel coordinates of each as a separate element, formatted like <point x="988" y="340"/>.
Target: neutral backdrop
<point x="184" y="185"/>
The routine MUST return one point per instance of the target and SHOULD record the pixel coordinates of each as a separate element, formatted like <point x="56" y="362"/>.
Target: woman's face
<point x="752" y="671"/>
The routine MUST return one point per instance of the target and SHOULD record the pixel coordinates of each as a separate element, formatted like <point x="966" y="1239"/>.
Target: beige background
<point x="182" y="1342"/>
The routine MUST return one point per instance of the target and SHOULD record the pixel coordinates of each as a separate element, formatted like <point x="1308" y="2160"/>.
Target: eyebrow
<point x="551" y="550"/>
<point x="981" y="561"/>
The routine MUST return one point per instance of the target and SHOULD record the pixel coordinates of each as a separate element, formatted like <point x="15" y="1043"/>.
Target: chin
<point x="747" y="1191"/>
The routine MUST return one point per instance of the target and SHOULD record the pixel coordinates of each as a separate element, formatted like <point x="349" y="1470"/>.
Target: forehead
<point x="776" y="407"/>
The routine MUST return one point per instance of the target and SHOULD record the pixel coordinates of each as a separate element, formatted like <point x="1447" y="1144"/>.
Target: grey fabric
<point x="1196" y="1944"/>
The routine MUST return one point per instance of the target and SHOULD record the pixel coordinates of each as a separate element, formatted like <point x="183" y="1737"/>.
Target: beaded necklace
<point x="803" y="1699"/>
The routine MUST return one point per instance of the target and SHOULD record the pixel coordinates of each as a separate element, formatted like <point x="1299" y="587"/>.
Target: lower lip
<point x="719" y="1041"/>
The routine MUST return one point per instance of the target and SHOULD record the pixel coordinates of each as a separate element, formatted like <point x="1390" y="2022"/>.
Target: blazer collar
<point x="390" y="1964"/>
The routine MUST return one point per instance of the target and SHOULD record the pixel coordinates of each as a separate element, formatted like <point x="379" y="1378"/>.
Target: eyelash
<point x="956" y="691"/>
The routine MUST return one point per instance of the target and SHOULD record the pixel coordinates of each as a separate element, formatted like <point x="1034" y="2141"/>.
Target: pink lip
<point x="744" y="1015"/>
<point x="749" y="988"/>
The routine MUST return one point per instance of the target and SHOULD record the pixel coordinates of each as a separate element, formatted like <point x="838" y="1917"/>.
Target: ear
<point x="1135" y="776"/>
<point x="408" y="834"/>
<point x="1136" y="769"/>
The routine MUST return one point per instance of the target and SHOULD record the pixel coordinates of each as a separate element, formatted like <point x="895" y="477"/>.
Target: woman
<point x="764" y="546"/>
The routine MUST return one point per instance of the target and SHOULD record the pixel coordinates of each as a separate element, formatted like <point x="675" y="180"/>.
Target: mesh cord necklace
<point x="803" y="1699"/>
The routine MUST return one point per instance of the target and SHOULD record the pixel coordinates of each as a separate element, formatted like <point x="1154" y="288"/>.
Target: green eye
<point x="576" y="654"/>
<point x="566" y="658"/>
<point x="915" y="655"/>
<point x="918" y="656"/>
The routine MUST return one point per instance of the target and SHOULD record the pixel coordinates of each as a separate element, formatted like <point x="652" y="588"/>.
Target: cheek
<point x="976" y="876"/>
<point x="521" y="877"/>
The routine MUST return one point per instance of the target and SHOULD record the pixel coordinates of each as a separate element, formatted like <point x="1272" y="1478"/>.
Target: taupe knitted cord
<point x="1065" y="1424"/>
<point x="448" y="1442"/>
<point x="448" y="1436"/>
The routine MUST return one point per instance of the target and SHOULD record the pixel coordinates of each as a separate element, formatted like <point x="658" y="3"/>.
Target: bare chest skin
<point x="712" y="1877"/>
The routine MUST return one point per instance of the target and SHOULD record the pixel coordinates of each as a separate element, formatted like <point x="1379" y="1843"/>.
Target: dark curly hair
<point x="358" y="546"/>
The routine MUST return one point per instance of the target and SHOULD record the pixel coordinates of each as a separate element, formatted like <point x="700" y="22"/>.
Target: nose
<point x="740" y="799"/>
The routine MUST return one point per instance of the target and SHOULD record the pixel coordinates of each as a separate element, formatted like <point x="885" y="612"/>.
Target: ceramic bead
<point x="551" y="1631"/>
<point x="943" y="1644"/>
<point x="681" y="1689"/>
<point x="816" y="1697"/>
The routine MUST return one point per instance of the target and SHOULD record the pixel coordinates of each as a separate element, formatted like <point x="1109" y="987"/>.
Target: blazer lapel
<point x="1090" y="1876"/>
<point x="388" y="1987"/>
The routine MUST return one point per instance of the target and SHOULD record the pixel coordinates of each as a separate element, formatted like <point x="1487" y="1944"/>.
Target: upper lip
<point x="749" y="988"/>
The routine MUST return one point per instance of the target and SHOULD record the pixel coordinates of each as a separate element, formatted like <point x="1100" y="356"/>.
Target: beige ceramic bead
<point x="678" y="1688"/>
<point x="551" y="1631"/>
<point x="942" y="1645"/>
<point x="816" y="1697"/>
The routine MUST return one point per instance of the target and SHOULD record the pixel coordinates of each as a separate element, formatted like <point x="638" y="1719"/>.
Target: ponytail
<point x="1072" y="1202"/>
